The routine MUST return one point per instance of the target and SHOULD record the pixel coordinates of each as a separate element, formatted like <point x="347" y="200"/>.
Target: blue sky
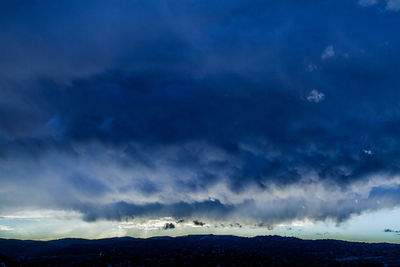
<point x="262" y="117"/>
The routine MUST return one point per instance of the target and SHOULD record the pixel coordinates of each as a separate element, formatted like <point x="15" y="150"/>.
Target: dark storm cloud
<point x="266" y="213"/>
<point x="391" y="231"/>
<point x="118" y="211"/>
<point x="198" y="223"/>
<point x="169" y="226"/>
<point x="185" y="96"/>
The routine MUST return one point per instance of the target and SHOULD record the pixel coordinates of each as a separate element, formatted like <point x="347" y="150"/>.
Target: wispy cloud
<point x="315" y="96"/>
<point x="393" y="5"/>
<point x="6" y="228"/>
<point x="328" y="52"/>
<point x="311" y="67"/>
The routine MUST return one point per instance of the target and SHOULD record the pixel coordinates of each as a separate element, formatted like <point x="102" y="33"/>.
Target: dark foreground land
<point x="198" y="250"/>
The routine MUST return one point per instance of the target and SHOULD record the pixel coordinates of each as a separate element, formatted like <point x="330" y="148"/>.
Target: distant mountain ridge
<point x="197" y="250"/>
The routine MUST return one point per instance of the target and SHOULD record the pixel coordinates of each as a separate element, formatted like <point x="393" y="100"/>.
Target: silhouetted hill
<point x="197" y="250"/>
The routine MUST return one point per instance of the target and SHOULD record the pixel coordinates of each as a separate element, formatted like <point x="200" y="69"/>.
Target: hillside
<point x="197" y="250"/>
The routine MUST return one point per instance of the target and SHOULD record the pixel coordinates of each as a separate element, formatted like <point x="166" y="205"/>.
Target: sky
<point x="147" y="118"/>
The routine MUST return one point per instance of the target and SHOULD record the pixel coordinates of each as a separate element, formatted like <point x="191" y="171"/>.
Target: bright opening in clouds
<point x="152" y="118"/>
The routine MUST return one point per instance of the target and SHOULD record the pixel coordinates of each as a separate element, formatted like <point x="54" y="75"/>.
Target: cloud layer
<point x="199" y="110"/>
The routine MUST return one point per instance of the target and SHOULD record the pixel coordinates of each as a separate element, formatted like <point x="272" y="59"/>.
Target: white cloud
<point x="393" y="5"/>
<point x="367" y="2"/>
<point x="315" y="96"/>
<point x="367" y="151"/>
<point x="328" y="52"/>
<point x="5" y="228"/>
